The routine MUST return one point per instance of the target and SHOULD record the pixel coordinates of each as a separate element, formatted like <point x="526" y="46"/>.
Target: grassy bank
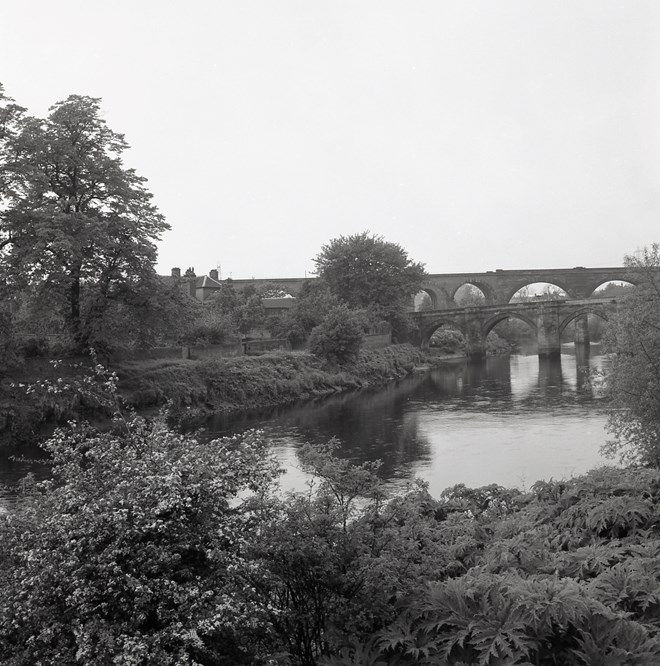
<point x="248" y="382"/>
<point x="193" y="388"/>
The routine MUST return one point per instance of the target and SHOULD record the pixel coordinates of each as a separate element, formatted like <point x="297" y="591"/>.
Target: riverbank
<point x="195" y="389"/>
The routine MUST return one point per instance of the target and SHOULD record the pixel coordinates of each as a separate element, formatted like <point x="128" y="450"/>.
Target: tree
<point x="469" y="296"/>
<point x="367" y="272"/>
<point x="310" y="307"/>
<point x="78" y="228"/>
<point x="633" y="380"/>
<point x="339" y="336"/>
<point x="425" y="302"/>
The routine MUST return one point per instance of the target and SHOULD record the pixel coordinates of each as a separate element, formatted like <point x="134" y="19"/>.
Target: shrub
<point x="211" y="327"/>
<point x="133" y="553"/>
<point x="338" y="338"/>
<point x="448" y="341"/>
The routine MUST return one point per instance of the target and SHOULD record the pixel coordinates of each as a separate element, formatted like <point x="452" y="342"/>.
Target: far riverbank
<point x="194" y="389"/>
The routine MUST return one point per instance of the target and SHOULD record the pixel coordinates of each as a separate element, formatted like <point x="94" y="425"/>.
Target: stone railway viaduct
<point x="497" y="286"/>
<point x="547" y="318"/>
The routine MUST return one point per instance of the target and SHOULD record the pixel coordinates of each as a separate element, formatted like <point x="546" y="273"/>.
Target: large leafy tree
<point x="367" y="272"/>
<point x="77" y="227"/>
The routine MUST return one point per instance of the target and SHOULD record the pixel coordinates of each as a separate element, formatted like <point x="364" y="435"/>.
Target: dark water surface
<point x="510" y="420"/>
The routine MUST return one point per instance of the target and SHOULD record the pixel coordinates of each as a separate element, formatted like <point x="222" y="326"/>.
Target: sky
<point x="476" y="134"/>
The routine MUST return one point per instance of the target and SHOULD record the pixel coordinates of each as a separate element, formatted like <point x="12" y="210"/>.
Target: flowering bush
<point x="134" y="552"/>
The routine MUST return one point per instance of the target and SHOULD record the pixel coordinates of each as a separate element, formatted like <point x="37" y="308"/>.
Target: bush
<point x="338" y="338"/>
<point x="448" y="341"/>
<point x="134" y="552"/>
<point x="210" y="328"/>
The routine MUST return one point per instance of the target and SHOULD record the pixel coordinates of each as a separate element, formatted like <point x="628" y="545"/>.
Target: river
<point x="509" y="420"/>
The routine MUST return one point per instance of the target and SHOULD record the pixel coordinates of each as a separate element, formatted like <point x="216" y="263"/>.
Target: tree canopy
<point x="77" y="228"/>
<point x="367" y="272"/>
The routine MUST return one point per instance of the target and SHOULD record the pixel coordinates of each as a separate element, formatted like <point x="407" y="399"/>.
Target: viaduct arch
<point x="499" y="286"/>
<point x="548" y="319"/>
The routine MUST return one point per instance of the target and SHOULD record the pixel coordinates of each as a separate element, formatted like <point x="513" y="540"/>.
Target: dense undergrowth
<point x="151" y="548"/>
<point x="566" y="574"/>
<point x="193" y="389"/>
<point x="248" y="382"/>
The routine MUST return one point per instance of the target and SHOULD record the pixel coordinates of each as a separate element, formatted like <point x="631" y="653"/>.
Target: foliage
<point x="209" y="326"/>
<point x="339" y="336"/>
<point x="469" y="296"/>
<point x="633" y="380"/>
<point x="448" y="340"/>
<point x="134" y="551"/>
<point x="152" y="547"/>
<point x="78" y="229"/>
<point x="247" y="382"/>
<point x="368" y="273"/>
<point x="8" y="346"/>
<point x="451" y="341"/>
<point x="613" y="290"/>
<point x="425" y="302"/>
<point x="312" y="304"/>
<point x="549" y="292"/>
<point x="240" y="311"/>
<point x="566" y="574"/>
<point x="496" y="344"/>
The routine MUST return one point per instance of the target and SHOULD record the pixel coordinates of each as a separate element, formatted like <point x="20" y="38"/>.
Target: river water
<point x="509" y="420"/>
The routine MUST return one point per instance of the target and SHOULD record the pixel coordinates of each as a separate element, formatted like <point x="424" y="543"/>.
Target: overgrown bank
<point x="194" y="388"/>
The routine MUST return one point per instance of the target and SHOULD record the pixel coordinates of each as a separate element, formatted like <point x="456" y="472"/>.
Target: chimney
<point x="213" y="273"/>
<point x="176" y="272"/>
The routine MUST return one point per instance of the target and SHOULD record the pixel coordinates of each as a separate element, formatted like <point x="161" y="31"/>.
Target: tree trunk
<point x="74" y="306"/>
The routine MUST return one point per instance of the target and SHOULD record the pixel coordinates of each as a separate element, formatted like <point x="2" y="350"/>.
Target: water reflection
<point x="509" y="420"/>
<point x="370" y="425"/>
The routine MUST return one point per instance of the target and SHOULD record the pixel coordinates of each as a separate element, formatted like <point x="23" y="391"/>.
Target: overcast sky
<point x="478" y="135"/>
